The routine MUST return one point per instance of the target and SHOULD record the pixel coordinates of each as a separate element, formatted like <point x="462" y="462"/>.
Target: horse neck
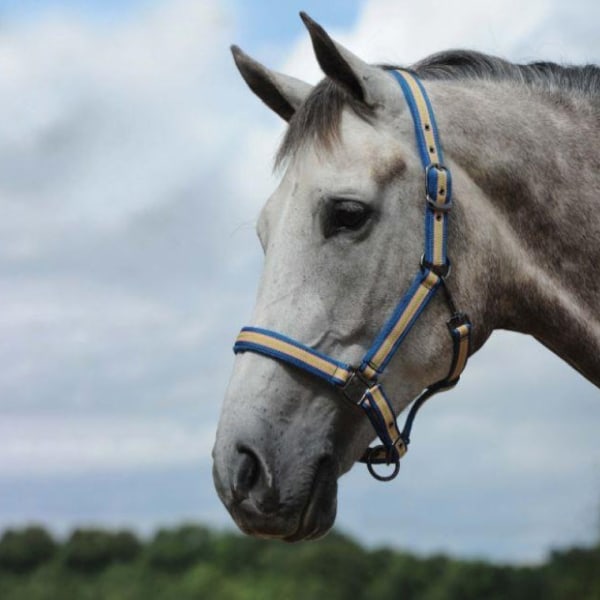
<point x="528" y="220"/>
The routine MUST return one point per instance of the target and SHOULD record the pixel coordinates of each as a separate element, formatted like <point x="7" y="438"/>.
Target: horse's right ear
<point x="279" y="92"/>
<point x="366" y="83"/>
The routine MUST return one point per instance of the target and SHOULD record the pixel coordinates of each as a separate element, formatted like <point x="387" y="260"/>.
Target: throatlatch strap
<point x="461" y="337"/>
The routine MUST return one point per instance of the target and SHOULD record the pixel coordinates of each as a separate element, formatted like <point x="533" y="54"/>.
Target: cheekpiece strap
<point x="400" y="323"/>
<point x="438" y="180"/>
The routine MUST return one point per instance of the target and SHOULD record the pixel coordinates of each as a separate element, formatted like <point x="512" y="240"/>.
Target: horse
<point x="343" y="235"/>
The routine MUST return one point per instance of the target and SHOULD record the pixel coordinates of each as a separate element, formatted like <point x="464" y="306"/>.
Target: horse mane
<point x="468" y="64"/>
<point x="318" y="118"/>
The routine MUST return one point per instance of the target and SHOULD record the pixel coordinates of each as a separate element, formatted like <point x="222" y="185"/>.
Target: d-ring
<point x="379" y="477"/>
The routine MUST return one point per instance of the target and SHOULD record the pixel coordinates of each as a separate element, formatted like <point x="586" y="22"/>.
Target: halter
<point x="359" y="385"/>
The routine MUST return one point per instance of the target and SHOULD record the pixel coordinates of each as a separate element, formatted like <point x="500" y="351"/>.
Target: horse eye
<point x="346" y="215"/>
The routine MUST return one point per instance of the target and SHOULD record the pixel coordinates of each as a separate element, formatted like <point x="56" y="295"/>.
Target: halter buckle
<point x="457" y="319"/>
<point x="432" y="202"/>
<point x="442" y="271"/>
<point x="356" y="387"/>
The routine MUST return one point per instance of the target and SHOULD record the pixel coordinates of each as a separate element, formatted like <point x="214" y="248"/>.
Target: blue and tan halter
<point x="359" y="385"/>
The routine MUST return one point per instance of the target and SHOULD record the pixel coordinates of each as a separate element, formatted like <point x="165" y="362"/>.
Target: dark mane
<point x="468" y="64"/>
<point x="319" y="117"/>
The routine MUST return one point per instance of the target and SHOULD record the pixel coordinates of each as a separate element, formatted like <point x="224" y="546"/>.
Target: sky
<point x="133" y="165"/>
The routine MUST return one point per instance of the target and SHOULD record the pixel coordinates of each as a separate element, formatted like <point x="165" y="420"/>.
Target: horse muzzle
<point x="291" y="504"/>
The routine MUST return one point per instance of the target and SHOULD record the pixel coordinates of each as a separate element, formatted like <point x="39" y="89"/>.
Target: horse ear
<point x="279" y="92"/>
<point x="340" y="64"/>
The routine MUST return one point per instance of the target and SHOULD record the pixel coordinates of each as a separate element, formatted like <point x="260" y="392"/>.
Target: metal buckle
<point x="401" y="446"/>
<point x="457" y="319"/>
<point x="442" y="271"/>
<point x="356" y="387"/>
<point x="432" y="202"/>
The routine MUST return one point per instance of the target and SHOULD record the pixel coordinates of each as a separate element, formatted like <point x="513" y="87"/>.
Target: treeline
<point x="194" y="562"/>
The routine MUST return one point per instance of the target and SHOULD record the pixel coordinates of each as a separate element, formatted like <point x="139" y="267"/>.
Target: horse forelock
<point x="318" y="118"/>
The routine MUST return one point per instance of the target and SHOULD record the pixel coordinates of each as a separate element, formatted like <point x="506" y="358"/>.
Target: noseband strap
<point x="360" y="385"/>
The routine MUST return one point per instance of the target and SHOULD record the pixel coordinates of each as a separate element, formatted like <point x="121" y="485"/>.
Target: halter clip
<point x="458" y="319"/>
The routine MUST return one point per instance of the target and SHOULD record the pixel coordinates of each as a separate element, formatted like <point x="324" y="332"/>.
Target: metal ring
<point x="442" y="271"/>
<point x="379" y="477"/>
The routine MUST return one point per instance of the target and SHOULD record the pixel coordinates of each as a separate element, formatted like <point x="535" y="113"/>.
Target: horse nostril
<point x="253" y="481"/>
<point x="246" y="474"/>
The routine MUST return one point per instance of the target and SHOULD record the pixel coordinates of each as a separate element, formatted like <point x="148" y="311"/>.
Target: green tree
<point x="178" y="549"/>
<point x="125" y="546"/>
<point x="399" y="574"/>
<point x="574" y="573"/>
<point x="23" y="550"/>
<point x="193" y="562"/>
<point x="236" y="554"/>
<point x="94" y="549"/>
<point x="335" y="567"/>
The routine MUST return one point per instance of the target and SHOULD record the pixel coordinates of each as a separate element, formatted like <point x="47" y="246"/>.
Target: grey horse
<point x="343" y="233"/>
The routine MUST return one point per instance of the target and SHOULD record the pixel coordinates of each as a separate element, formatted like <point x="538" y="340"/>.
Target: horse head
<point x="342" y="237"/>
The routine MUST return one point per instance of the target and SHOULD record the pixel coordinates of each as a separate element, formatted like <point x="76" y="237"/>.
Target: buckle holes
<point x="442" y="192"/>
<point x="427" y="126"/>
<point x="431" y="149"/>
<point x="438" y="217"/>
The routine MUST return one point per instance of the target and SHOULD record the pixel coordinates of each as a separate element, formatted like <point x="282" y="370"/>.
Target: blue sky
<point x="273" y="21"/>
<point x="95" y="10"/>
<point x="133" y="164"/>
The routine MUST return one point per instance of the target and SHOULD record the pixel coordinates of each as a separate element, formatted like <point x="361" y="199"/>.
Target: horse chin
<point x="320" y="510"/>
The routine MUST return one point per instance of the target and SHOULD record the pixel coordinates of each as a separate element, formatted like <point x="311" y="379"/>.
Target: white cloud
<point x="389" y="31"/>
<point x="59" y="445"/>
<point x="121" y="178"/>
<point x="102" y="124"/>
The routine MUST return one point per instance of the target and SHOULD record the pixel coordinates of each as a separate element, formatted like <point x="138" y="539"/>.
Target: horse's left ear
<point x="279" y="92"/>
<point x="339" y="64"/>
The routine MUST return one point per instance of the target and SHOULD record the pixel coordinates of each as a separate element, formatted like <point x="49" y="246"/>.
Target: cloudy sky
<point x="133" y="164"/>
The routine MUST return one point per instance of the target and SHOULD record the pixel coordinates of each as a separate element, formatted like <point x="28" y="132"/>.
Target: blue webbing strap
<point x="400" y="323"/>
<point x="438" y="194"/>
<point x="273" y="344"/>
<point x="460" y="330"/>
<point x="438" y="181"/>
<point x="367" y="394"/>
